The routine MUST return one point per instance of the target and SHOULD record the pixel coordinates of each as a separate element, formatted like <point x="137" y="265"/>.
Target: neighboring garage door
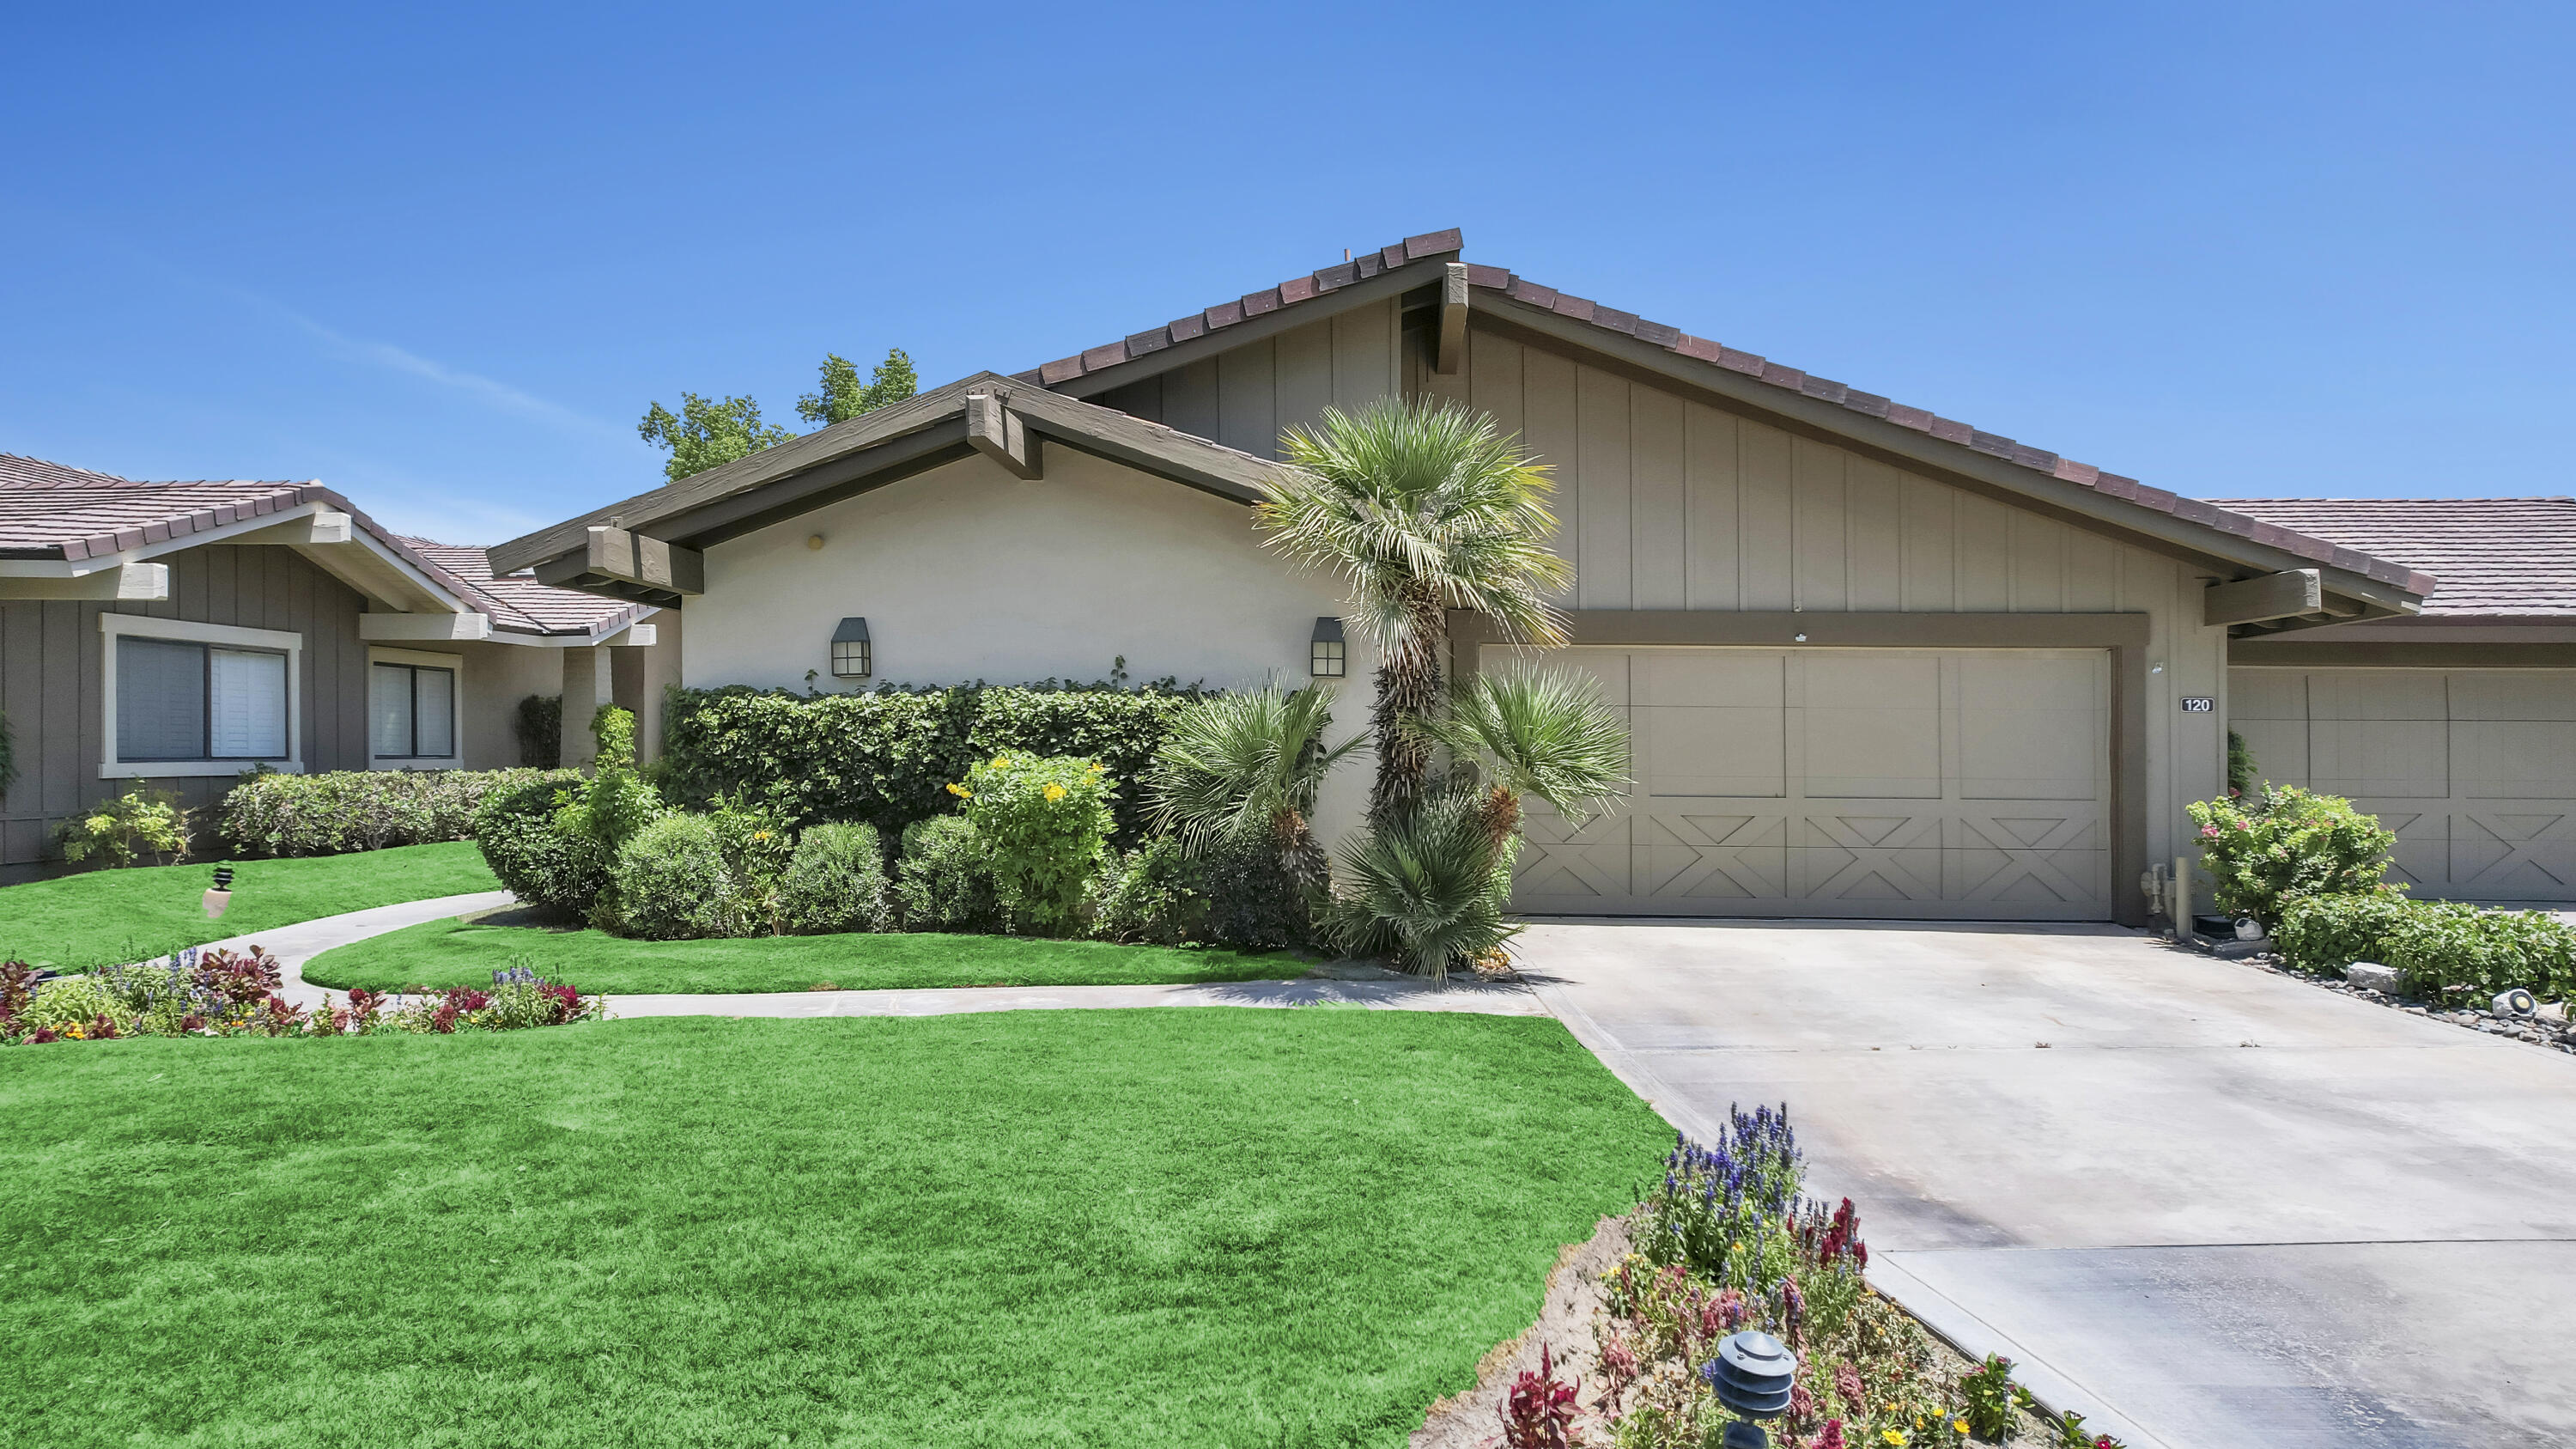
<point x="1904" y="784"/>
<point x="2475" y="769"/>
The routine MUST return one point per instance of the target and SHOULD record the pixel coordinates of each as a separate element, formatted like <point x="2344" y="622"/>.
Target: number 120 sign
<point x="2199" y="704"/>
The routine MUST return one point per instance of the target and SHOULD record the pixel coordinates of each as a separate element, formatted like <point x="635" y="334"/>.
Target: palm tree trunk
<point x="1301" y="855"/>
<point x="1500" y="815"/>
<point x="1408" y="690"/>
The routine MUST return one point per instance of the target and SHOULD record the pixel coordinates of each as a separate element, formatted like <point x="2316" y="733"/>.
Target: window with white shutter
<point x="186" y="698"/>
<point x="411" y="711"/>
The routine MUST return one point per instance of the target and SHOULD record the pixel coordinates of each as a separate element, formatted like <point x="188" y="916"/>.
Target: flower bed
<point x="225" y="993"/>
<point x="1725" y="1244"/>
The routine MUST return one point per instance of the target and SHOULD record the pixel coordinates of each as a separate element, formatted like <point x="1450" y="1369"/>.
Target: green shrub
<point x="344" y="810"/>
<point x="517" y="827"/>
<point x="671" y="883"/>
<point x="2439" y="948"/>
<point x="139" y="825"/>
<point x="945" y="878"/>
<point x="1153" y="894"/>
<point x="613" y="808"/>
<point x="2327" y="933"/>
<point x="2288" y="842"/>
<point x="835" y="882"/>
<point x="884" y="756"/>
<point x="1254" y="901"/>
<point x="2449" y="950"/>
<point x="79" y="1001"/>
<point x="1044" y="821"/>
<point x="540" y="729"/>
<point x="1425" y="893"/>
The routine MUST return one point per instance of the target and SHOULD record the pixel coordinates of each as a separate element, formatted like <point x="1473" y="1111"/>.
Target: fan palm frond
<point x="1542" y="732"/>
<point x="1422" y="892"/>
<point x="1237" y="765"/>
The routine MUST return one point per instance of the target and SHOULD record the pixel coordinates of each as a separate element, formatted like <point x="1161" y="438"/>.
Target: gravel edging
<point x="2539" y="1031"/>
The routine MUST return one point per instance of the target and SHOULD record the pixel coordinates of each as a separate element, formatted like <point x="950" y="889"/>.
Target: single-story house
<point x="182" y="633"/>
<point x="1876" y="662"/>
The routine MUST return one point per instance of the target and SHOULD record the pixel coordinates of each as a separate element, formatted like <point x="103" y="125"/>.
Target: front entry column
<point x="588" y="683"/>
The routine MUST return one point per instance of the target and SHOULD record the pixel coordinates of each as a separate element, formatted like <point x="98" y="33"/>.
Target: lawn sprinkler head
<point x="1753" y="1374"/>
<point x="221" y="896"/>
<point x="2516" y="1002"/>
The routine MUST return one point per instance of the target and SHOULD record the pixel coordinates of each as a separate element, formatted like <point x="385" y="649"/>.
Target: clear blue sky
<point x="441" y="258"/>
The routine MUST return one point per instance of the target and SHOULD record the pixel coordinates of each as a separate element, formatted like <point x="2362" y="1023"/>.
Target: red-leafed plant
<point x="1539" y="1411"/>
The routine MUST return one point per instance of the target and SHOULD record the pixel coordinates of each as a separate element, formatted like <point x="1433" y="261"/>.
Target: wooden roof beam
<point x="1449" y="351"/>
<point x="2265" y="597"/>
<point x="995" y="431"/>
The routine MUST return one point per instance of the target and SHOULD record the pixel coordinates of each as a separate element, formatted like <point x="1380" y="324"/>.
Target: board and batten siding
<point x="52" y="681"/>
<point x="1665" y="502"/>
<point x="1246" y="396"/>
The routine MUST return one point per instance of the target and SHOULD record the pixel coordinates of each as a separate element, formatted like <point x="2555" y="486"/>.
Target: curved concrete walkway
<point x="295" y="945"/>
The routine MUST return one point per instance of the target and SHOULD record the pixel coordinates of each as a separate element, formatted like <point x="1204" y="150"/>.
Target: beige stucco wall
<point x="967" y="573"/>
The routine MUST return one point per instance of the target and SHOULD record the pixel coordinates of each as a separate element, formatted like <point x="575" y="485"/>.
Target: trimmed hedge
<point x="538" y="863"/>
<point x="339" y="811"/>
<point x="2441" y="949"/>
<point x="886" y="757"/>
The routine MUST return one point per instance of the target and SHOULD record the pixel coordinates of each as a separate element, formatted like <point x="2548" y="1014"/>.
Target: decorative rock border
<point x="2556" y="1033"/>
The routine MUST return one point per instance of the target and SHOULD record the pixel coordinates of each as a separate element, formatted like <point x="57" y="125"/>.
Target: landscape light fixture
<point x="1327" y="658"/>
<point x="1753" y="1374"/>
<point x="220" y="896"/>
<point x="850" y="656"/>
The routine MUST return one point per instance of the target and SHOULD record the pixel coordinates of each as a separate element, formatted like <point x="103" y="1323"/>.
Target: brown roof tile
<point x="2493" y="556"/>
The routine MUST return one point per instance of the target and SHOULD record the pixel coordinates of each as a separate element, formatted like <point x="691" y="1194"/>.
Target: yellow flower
<point x="1892" y="1436"/>
<point x="1959" y="1425"/>
<point x="760" y="835"/>
<point x="961" y="791"/>
<point x="1001" y="762"/>
<point x="1054" y="791"/>
<point x="1095" y="767"/>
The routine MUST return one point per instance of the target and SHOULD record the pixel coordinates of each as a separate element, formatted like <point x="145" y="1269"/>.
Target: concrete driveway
<point x="2207" y="1205"/>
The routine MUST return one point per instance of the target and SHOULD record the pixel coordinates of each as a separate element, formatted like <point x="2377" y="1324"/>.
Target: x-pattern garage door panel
<point x="1962" y="784"/>
<point x="2474" y="769"/>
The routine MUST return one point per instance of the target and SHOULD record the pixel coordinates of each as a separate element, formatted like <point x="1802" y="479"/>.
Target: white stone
<point x="2372" y="975"/>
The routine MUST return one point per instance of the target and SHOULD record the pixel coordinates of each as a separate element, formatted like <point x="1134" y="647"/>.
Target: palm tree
<point x="1541" y="732"/>
<point x="1237" y="765"/>
<point x="1422" y="892"/>
<point x="1421" y="507"/>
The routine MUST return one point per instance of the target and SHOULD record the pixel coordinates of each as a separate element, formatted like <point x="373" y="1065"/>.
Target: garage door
<point x="2475" y="769"/>
<point x="1906" y="784"/>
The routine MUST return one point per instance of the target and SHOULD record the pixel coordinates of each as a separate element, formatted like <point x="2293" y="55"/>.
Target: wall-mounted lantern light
<point x="850" y="656"/>
<point x="1327" y="660"/>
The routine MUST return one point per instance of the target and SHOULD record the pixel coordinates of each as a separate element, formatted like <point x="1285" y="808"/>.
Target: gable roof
<point x="50" y="511"/>
<point x="518" y="603"/>
<point x="880" y="447"/>
<point x="2218" y="527"/>
<point x="2513" y="557"/>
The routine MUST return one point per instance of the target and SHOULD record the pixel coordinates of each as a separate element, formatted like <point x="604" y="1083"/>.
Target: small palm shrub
<point x="140" y="826"/>
<point x="945" y="878"/>
<point x="671" y="883"/>
<point x="517" y="827"/>
<point x="835" y="882"/>
<point x="1044" y="822"/>
<point x="1420" y="891"/>
<point x="1240" y="766"/>
<point x="2284" y="842"/>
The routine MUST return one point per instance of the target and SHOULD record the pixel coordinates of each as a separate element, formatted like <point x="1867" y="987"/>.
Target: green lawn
<point x="102" y="917"/>
<point x="466" y="953"/>
<point x="1209" y="1227"/>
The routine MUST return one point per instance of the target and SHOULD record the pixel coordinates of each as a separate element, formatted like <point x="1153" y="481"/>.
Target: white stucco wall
<point x="968" y="573"/>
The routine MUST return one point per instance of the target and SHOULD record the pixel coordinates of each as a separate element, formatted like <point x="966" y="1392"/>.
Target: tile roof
<point x="519" y="603"/>
<point x="1252" y="304"/>
<point x="2494" y="556"/>
<point x="49" y="511"/>
<point x="2339" y="554"/>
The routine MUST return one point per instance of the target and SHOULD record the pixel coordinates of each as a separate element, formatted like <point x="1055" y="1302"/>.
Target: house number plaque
<point x="2199" y="704"/>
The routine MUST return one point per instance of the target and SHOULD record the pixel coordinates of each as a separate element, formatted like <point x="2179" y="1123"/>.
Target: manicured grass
<point x="466" y="953"/>
<point x="101" y="917"/>
<point x="1210" y="1227"/>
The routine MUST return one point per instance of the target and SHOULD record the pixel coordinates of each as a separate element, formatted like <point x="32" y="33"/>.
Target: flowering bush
<point x="226" y="993"/>
<point x="1045" y="822"/>
<point x="2286" y="842"/>
<point x="139" y="825"/>
<point x="1727" y="1243"/>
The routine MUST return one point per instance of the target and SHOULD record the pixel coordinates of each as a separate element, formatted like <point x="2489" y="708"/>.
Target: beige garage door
<point x="2475" y="769"/>
<point x="1906" y="784"/>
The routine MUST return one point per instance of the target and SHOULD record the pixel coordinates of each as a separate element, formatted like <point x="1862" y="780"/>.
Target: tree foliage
<point x="1249" y="764"/>
<point x="708" y="433"/>
<point x="843" y="397"/>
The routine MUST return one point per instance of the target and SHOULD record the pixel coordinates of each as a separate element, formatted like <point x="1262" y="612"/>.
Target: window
<point x="180" y="700"/>
<point x="411" y="712"/>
